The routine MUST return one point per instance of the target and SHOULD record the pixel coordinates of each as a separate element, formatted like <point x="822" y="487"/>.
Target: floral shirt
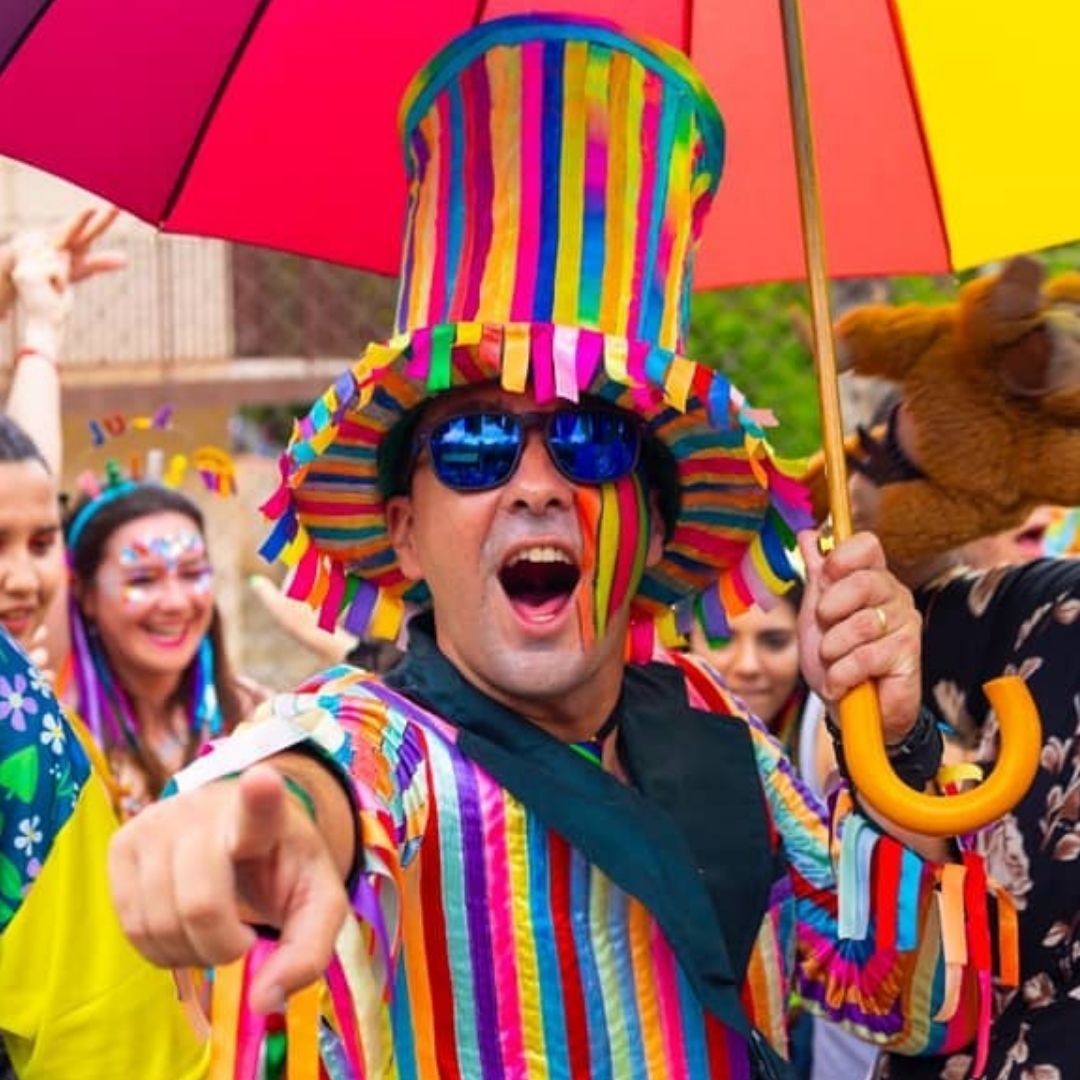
<point x="1020" y="621"/>
<point x="76" y="1001"/>
<point x="33" y="740"/>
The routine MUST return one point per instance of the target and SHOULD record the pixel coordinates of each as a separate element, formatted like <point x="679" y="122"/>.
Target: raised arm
<point x="43" y="271"/>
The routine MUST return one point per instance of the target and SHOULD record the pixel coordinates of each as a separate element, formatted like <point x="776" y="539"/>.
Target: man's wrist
<point x="916" y="758"/>
<point x="332" y="803"/>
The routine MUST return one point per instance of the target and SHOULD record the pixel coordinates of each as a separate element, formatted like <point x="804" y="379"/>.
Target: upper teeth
<point x="540" y="554"/>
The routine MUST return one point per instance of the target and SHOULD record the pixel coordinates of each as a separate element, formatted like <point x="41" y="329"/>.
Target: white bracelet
<point x="278" y="724"/>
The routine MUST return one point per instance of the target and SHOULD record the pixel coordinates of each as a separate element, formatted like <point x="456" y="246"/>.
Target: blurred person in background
<point x="145" y="663"/>
<point x="66" y="1009"/>
<point x="759" y="661"/>
<point x="38" y="272"/>
<point x="77" y="1002"/>
<point x="994" y="607"/>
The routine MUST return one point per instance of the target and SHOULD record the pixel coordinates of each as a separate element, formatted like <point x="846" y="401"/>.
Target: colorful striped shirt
<point x="489" y="945"/>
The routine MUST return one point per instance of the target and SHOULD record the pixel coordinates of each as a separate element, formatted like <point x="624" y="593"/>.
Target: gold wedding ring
<point x="882" y="619"/>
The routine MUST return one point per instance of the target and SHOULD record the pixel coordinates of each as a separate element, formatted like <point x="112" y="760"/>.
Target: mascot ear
<point x="1063" y="289"/>
<point x="888" y="341"/>
<point x="1015" y="293"/>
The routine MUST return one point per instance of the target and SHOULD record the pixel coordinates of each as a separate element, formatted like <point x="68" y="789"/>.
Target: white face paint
<point x="146" y="565"/>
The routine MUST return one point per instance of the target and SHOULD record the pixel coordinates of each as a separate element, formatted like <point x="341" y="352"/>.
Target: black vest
<point x="690" y="838"/>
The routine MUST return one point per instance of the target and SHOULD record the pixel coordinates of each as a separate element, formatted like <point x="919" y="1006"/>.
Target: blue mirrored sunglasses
<point x="477" y="451"/>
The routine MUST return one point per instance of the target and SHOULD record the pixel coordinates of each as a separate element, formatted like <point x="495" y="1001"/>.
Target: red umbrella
<point x="274" y="122"/>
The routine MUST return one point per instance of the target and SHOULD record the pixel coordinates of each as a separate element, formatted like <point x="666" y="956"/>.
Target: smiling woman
<point x="31" y="561"/>
<point x="148" y="671"/>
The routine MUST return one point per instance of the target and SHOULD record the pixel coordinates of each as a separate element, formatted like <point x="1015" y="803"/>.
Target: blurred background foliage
<point x="757" y="335"/>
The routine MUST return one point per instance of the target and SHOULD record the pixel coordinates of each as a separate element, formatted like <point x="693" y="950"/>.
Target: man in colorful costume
<point x="560" y="864"/>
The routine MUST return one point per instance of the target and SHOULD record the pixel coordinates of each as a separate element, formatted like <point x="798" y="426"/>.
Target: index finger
<point x="99" y="222"/>
<point x="261" y="814"/>
<point x="308" y="935"/>
<point x="862" y="551"/>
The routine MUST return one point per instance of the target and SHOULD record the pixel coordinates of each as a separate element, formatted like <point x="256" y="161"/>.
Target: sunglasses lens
<point x="476" y="451"/>
<point x="593" y="446"/>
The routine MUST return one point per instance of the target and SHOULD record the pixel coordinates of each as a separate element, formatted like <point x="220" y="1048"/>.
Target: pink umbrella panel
<point x="275" y="121"/>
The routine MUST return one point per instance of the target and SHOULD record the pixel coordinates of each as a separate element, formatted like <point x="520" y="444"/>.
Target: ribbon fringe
<point x="884" y="887"/>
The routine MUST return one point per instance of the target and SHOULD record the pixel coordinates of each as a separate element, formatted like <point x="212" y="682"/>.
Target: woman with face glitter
<point x="148" y="672"/>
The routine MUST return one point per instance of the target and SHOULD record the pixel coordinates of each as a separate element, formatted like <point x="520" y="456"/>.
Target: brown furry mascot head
<point x="990" y="388"/>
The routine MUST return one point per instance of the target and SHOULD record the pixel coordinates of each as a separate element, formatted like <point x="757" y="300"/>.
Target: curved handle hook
<point x="936" y="815"/>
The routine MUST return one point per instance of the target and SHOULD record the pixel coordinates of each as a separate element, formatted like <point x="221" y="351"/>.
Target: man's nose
<point x="537" y="486"/>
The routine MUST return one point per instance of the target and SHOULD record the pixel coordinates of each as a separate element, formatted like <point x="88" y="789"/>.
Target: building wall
<point x="172" y="304"/>
<point x="161" y="331"/>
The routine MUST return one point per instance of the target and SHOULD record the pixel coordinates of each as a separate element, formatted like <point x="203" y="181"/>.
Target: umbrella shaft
<point x="832" y="421"/>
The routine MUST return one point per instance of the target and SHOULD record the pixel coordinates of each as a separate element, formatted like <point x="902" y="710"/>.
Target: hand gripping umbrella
<point x="943" y="131"/>
<point x="860" y="714"/>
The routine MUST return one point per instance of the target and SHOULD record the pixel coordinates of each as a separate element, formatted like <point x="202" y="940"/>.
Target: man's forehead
<point x="485" y="395"/>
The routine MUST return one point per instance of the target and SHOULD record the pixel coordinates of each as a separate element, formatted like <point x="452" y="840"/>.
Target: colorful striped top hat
<point x="559" y="174"/>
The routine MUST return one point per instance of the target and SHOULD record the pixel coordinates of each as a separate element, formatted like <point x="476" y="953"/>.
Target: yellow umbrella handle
<point x="934" y="815"/>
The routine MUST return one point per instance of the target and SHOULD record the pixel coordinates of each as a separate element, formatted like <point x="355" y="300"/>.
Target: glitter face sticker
<point x="615" y="541"/>
<point x="148" y="562"/>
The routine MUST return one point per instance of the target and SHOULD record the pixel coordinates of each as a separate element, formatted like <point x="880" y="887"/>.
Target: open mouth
<point x="1033" y="537"/>
<point x="19" y="620"/>
<point x="539" y="581"/>
<point x="167" y="637"/>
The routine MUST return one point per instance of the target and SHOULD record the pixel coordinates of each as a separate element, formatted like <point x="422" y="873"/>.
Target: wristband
<point x="29" y="350"/>
<point x="301" y="793"/>
<point x="916" y="759"/>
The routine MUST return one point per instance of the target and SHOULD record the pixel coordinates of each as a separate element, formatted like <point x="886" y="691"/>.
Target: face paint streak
<point x="607" y="556"/>
<point x="614" y="527"/>
<point x="588" y="508"/>
<point x="632" y="546"/>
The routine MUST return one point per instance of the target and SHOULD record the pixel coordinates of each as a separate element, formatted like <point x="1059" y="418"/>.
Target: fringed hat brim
<point x="739" y="506"/>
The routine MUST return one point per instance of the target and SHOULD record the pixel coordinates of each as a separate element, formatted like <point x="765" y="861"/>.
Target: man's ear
<point x="655" y="551"/>
<point x="400" y="524"/>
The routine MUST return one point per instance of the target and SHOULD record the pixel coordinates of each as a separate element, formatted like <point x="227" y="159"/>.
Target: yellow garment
<point x="97" y="758"/>
<point x="77" y="1002"/>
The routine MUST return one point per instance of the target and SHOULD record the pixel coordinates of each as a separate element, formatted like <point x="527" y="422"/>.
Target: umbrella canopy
<point x="943" y="131"/>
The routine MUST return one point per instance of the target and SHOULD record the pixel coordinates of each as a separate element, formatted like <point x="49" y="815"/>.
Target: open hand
<point x="41" y="268"/>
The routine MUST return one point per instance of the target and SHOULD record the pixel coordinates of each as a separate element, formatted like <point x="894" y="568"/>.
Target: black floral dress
<point x="1023" y="621"/>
